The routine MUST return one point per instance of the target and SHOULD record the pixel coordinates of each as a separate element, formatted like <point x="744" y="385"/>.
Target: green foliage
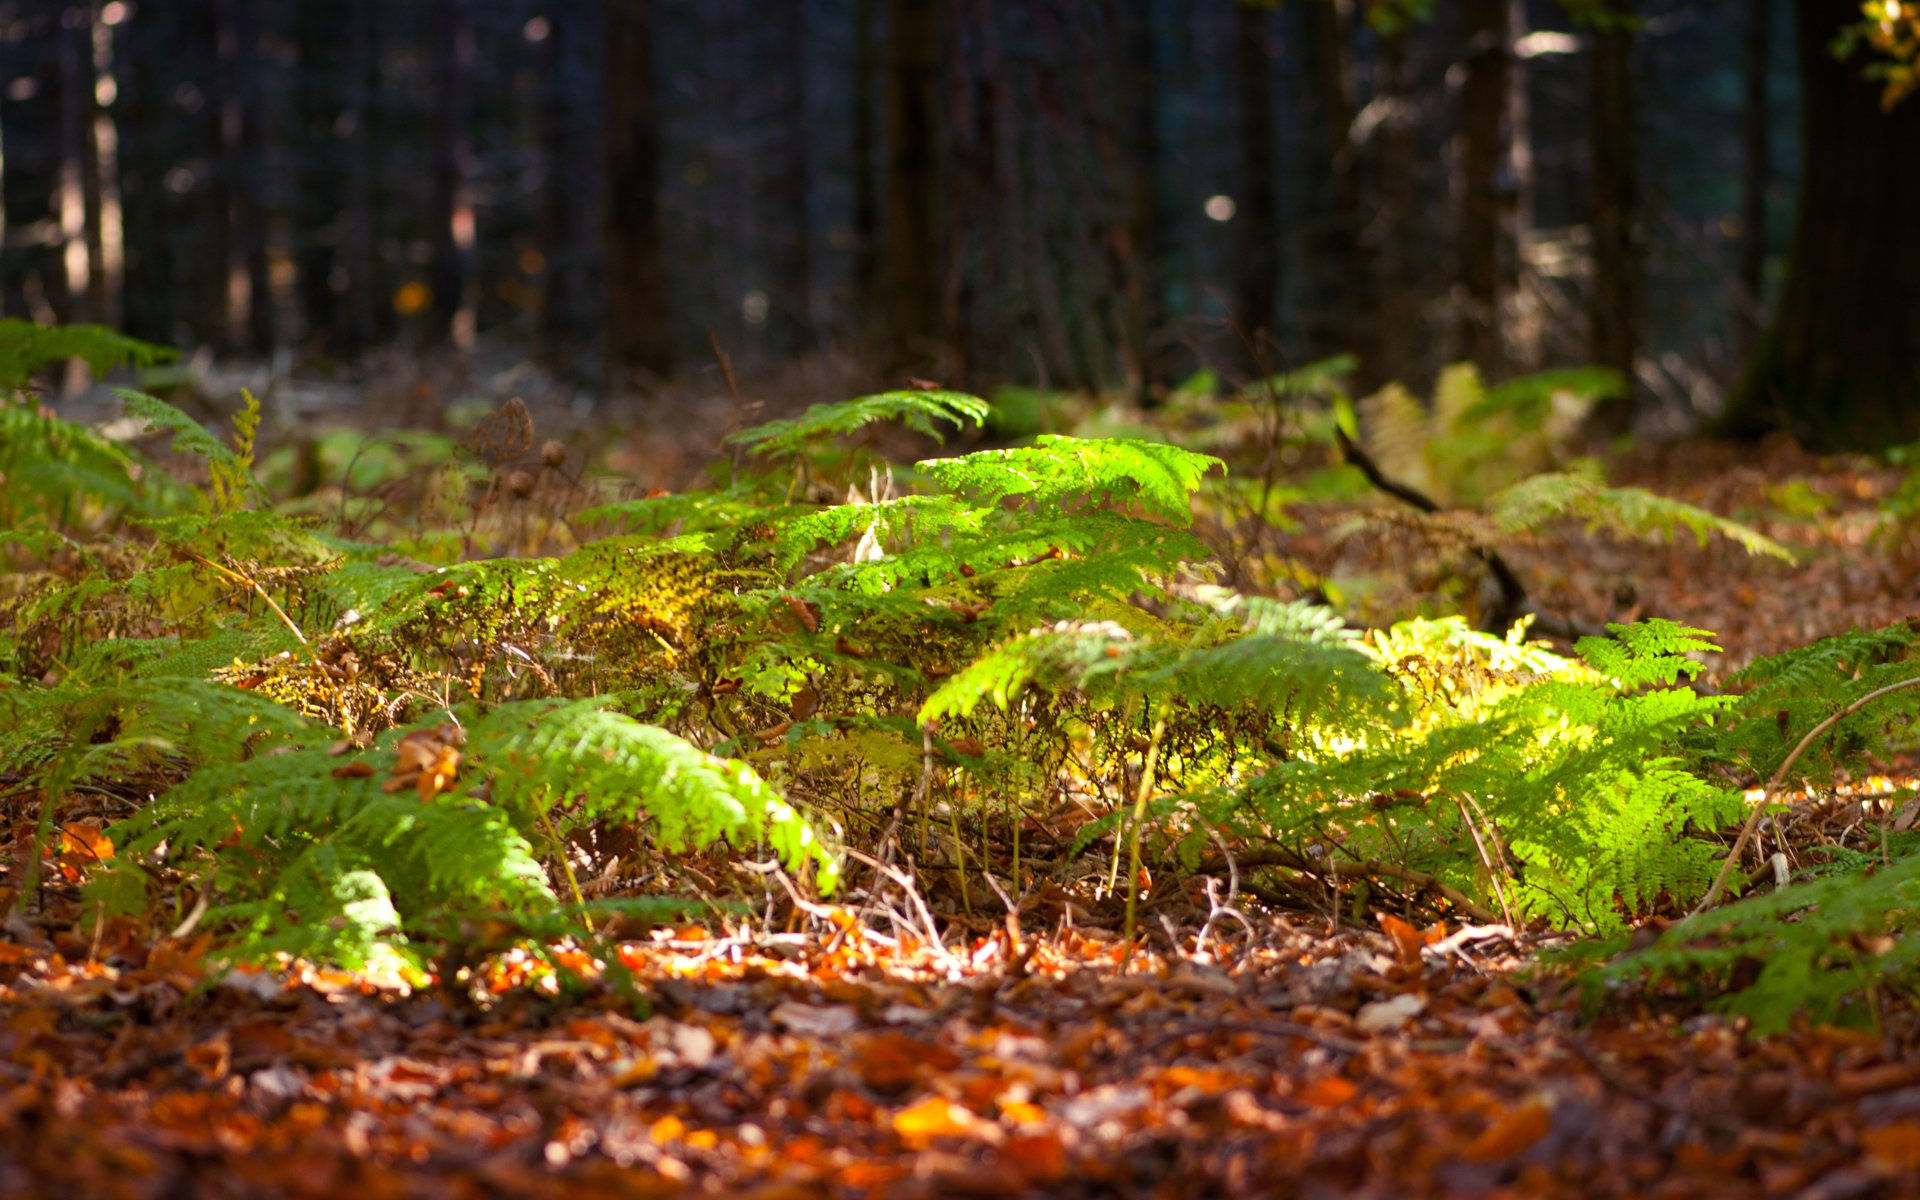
<point x="1472" y="440"/>
<point x="1010" y="623"/>
<point x="1627" y="512"/>
<point x="27" y="349"/>
<point x="1561" y="768"/>
<point x="922" y="411"/>
<point x="52" y="470"/>
<point x="1820" y="948"/>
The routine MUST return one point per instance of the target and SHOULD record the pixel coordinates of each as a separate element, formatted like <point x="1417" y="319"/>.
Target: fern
<point x="1818" y="949"/>
<point x="1630" y="512"/>
<point x="232" y="484"/>
<point x="1160" y="478"/>
<point x="26" y="349"/>
<point x="922" y="411"/>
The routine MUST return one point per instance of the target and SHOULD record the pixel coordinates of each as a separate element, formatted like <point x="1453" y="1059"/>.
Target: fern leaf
<point x="922" y="411"/>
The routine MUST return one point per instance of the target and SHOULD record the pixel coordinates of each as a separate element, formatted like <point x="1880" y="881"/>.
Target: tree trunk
<point x="1487" y="54"/>
<point x="364" y="291"/>
<point x="1397" y="316"/>
<point x="1336" y="322"/>
<point x="247" y="141"/>
<point x="789" y="186"/>
<point x="866" y="196"/>
<point x="1840" y="365"/>
<point x="566" y="306"/>
<point x="1257" y="288"/>
<point x="320" y="209"/>
<point x="910" y="292"/>
<point x="1614" y="318"/>
<point x="1756" y="175"/>
<point x="452" y="209"/>
<point x="638" y="341"/>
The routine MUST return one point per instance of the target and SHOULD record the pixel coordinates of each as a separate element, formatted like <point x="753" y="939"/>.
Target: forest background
<point x="1062" y="193"/>
<point x="462" y="723"/>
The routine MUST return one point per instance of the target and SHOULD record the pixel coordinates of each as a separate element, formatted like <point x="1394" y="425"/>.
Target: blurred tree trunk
<point x="365" y="295"/>
<point x="1397" y="316"/>
<point x="866" y="197"/>
<point x="1614" y="319"/>
<point x="71" y="299"/>
<point x="245" y="137"/>
<point x="1756" y="173"/>
<point x="567" y="237"/>
<point x="1145" y="220"/>
<point x="789" y="186"/>
<point x="320" y="213"/>
<point x="148" y="43"/>
<point x="1840" y="365"/>
<point x="638" y="341"/>
<point x="1257" y="290"/>
<point x="1483" y="195"/>
<point x="451" y="33"/>
<point x="216" y="280"/>
<point x="1336" y="319"/>
<point x="910" y="293"/>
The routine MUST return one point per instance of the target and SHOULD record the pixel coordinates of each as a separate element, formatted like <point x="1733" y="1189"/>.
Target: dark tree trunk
<point x="321" y="206"/>
<point x="1341" y="271"/>
<point x="451" y="32"/>
<point x="246" y="139"/>
<point x="218" y="296"/>
<point x="866" y="195"/>
<point x="638" y="341"/>
<point x="789" y="185"/>
<point x="1756" y="175"/>
<point x="1614" y="319"/>
<point x="151" y="304"/>
<point x="1840" y="365"/>
<point x="566" y="308"/>
<point x="73" y="300"/>
<point x="1257" y="288"/>
<point x="1483" y="195"/>
<point x="910" y="293"/>
<point x="1397" y="314"/>
<point x="364" y="291"/>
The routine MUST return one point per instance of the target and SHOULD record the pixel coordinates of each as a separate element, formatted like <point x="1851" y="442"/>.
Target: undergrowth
<point x="350" y="741"/>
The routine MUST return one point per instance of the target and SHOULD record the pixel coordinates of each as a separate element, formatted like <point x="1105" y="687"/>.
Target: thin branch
<point x="1778" y="777"/>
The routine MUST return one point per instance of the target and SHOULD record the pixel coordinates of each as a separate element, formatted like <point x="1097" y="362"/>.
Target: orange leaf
<point x="1895" y="1146"/>
<point x="1406" y="939"/>
<point x="1328" y="1091"/>
<point x="1513" y="1132"/>
<point x="1039" y="1157"/>
<point x="934" y="1117"/>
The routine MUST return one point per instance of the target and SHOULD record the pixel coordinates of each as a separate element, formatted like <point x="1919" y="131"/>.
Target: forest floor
<point x="1240" y="1051"/>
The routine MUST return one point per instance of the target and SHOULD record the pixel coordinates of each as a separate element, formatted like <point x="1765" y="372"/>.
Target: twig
<point x="1513" y="593"/>
<point x="1778" y="777"/>
<point x="1140" y="797"/>
<point x="1494" y="870"/>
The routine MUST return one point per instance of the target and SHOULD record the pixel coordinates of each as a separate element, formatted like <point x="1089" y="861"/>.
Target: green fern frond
<point x="921" y="411"/>
<point x="539" y="751"/>
<point x="1630" y="512"/>
<point x="1160" y="478"/>
<point x="234" y="483"/>
<point x="1650" y="652"/>
<point x="27" y="348"/>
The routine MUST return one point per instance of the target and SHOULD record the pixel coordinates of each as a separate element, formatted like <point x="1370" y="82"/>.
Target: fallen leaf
<point x="1894" y="1147"/>
<point x="934" y="1117"/>
<point x="1512" y="1132"/>
<point x="1382" y="1016"/>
